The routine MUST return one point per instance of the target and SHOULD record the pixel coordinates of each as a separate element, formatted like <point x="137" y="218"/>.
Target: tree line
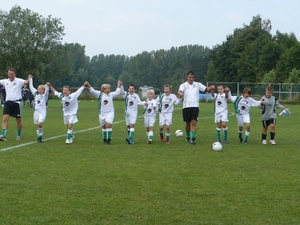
<point x="33" y="44"/>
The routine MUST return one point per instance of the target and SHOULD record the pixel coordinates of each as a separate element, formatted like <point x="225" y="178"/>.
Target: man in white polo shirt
<point x="190" y="93"/>
<point x="13" y="102"/>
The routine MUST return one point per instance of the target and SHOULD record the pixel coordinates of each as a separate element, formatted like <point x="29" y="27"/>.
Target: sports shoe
<point x="241" y="140"/>
<point x="129" y="141"/>
<point x="18" y="138"/>
<point x="272" y="142"/>
<point x="39" y="140"/>
<point x="149" y="141"/>
<point x="73" y="137"/>
<point x="244" y="142"/>
<point x="167" y="142"/>
<point x="219" y="141"/>
<point x="69" y="141"/>
<point x="192" y="141"/>
<point x="104" y="141"/>
<point x="162" y="138"/>
<point x="226" y="140"/>
<point x="264" y="142"/>
<point x="108" y="141"/>
<point x="187" y="140"/>
<point x="2" y="138"/>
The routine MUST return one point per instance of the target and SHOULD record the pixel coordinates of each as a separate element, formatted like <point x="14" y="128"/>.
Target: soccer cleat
<point x="187" y="140"/>
<point x="129" y="141"/>
<point x="219" y="141"/>
<point x="39" y="140"/>
<point x="69" y="141"/>
<point x="2" y="138"/>
<point x="73" y="137"/>
<point x="18" y="138"/>
<point x="108" y="141"/>
<point x="162" y="138"/>
<point x="104" y="141"/>
<point x="149" y="141"/>
<point x="264" y="142"/>
<point x="226" y="140"/>
<point x="192" y="141"/>
<point x="272" y="142"/>
<point x="167" y="142"/>
<point x="241" y="140"/>
<point x="244" y="142"/>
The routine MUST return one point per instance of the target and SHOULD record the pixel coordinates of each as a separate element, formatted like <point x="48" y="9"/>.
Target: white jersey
<point x="242" y="105"/>
<point x="39" y="100"/>
<point x="220" y="102"/>
<point x="13" y="88"/>
<point x="70" y="102"/>
<point x="105" y="101"/>
<point x="132" y="101"/>
<point x="166" y="103"/>
<point x="149" y="110"/>
<point x="191" y="93"/>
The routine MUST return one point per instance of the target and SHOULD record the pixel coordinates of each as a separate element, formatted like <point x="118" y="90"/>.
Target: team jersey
<point x="242" y="105"/>
<point x="149" y="110"/>
<point x="14" y="88"/>
<point x="70" y="102"/>
<point x="132" y="101"/>
<point x="191" y="93"/>
<point x="166" y="103"/>
<point x="220" y="102"/>
<point x="39" y="100"/>
<point x="268" y="109"/>
<point x="105" y="101"/>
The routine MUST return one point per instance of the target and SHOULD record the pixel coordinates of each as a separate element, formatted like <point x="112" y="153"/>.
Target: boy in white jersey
<point x="106" y="107"/>
<point x="40" y="109"/>
<point x="70" y="106"/>
<point x="269" y="115"/>
<point x="13" y="102"/>
<point x="132" y="101"/>
<point x="149" y="114"/>
<point x="165" y="104"/>
<point x="221" y="112"/>
<point x="242" y="106"/>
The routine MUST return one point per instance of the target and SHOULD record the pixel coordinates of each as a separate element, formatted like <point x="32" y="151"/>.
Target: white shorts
<point x="241" y="119"/>
<point x="38" y="117"/>
<point x="107" y="118"/>
<point x="149" y="121"/>
<point x="70" y="119"/>
<point x="130" y="120"/>
<point x="165" y="119"/>
<point x="221" y="117"/>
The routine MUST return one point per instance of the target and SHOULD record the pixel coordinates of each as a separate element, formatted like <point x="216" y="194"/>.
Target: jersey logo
<point x="243" y="107"/>
<point x="105" y="102"/>
<point x="149" y="110"/>
<point x="166" y="106"/>
<point x="67" y="103"/>
<point x="131" y="103"/>
<point x="219" y="103"/>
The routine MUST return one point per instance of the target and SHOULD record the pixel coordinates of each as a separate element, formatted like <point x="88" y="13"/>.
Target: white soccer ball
<point x="217" y="146"/>
<point x="178" y="133"/>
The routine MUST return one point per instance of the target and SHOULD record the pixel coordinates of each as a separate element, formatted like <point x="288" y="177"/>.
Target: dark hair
<point x="247" y="90"/>
<point x="189" y="72"/>
<point x="12" y="69"/>
<point x="132" y="86"/>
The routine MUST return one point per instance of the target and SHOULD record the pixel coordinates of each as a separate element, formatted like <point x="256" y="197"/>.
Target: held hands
<point x="87" y="84"/>
<point x="30" y="76"/>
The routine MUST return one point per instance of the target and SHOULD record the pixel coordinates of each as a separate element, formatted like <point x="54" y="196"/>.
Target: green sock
<point x="19" y="132"/>
<point x="218" y="134"/>
<point x="4" y="131"/>
<point x="193" y="134"/>
<point x="188" y="134"/>
<point x="109" y="134"/>
<point x="131" y="134"/>
<point x="104" y="133"/>
<point x="225" y="133"/>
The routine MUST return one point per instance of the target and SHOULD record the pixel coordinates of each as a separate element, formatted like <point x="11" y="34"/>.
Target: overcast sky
<point x="133" y="26"/>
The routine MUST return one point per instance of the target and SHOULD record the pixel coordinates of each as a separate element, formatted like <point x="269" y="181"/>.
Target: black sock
<point x="263" y="136"/>
<point x="272" y="135"/>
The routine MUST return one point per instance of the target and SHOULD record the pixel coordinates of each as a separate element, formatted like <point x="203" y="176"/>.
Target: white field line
<point x="80" y="131"/>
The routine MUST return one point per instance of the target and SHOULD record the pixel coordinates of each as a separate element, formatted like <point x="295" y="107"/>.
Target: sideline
<point x="80" y="131"/>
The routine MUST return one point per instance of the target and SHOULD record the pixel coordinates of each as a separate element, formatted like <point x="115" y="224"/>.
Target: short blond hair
<point x="104" y="86"/>
<point x="41" y="86"/>
<point x="150" y="92"/>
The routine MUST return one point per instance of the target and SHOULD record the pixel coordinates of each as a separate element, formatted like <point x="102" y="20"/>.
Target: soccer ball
<point x="217" y="146"/>
<point x="178" y="133"/>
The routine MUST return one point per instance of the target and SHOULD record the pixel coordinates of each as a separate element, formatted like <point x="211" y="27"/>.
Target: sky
<point x="129" y="27"/>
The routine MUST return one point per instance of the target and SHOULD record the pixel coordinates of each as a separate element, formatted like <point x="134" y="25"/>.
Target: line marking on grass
<point x="80" y="131"/>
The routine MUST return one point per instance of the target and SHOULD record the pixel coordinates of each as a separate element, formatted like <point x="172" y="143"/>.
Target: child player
<point x="221" y="112"/>
<point x="149" y="114"/>
<point x="106" y="107"/>
<point x="269" y="115"/>
<point x="40" y="110"/>
<point x="70" y="106"/>
<point x="242" y="106"/>
<point x="131" y="100"/>
<point x="165" y="104"/>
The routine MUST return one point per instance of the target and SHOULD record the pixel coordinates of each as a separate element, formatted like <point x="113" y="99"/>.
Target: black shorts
<point x="266" y="123"/>
<point x="13" y="108"/>
<point x="190" y="114"/>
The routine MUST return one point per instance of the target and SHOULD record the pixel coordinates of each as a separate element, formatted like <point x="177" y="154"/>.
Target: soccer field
<point x="88" y="182"/>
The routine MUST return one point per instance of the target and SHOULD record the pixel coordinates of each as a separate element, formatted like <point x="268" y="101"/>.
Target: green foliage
<point x="294" y="76"/>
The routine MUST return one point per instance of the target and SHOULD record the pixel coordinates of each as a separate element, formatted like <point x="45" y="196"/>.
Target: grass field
<point x="88" y="182"/>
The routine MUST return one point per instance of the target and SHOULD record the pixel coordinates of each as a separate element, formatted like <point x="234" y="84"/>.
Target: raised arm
<point x="30" y="81"/>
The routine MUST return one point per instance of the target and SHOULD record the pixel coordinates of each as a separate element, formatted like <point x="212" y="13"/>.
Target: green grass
<point x="88" y="182"/>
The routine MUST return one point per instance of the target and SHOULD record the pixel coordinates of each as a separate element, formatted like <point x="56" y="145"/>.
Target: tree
<point x="27" y="40"/>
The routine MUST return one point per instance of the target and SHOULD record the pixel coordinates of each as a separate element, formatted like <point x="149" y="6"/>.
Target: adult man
<point x="13" y="104"/>
<point x="190" y="92"/>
